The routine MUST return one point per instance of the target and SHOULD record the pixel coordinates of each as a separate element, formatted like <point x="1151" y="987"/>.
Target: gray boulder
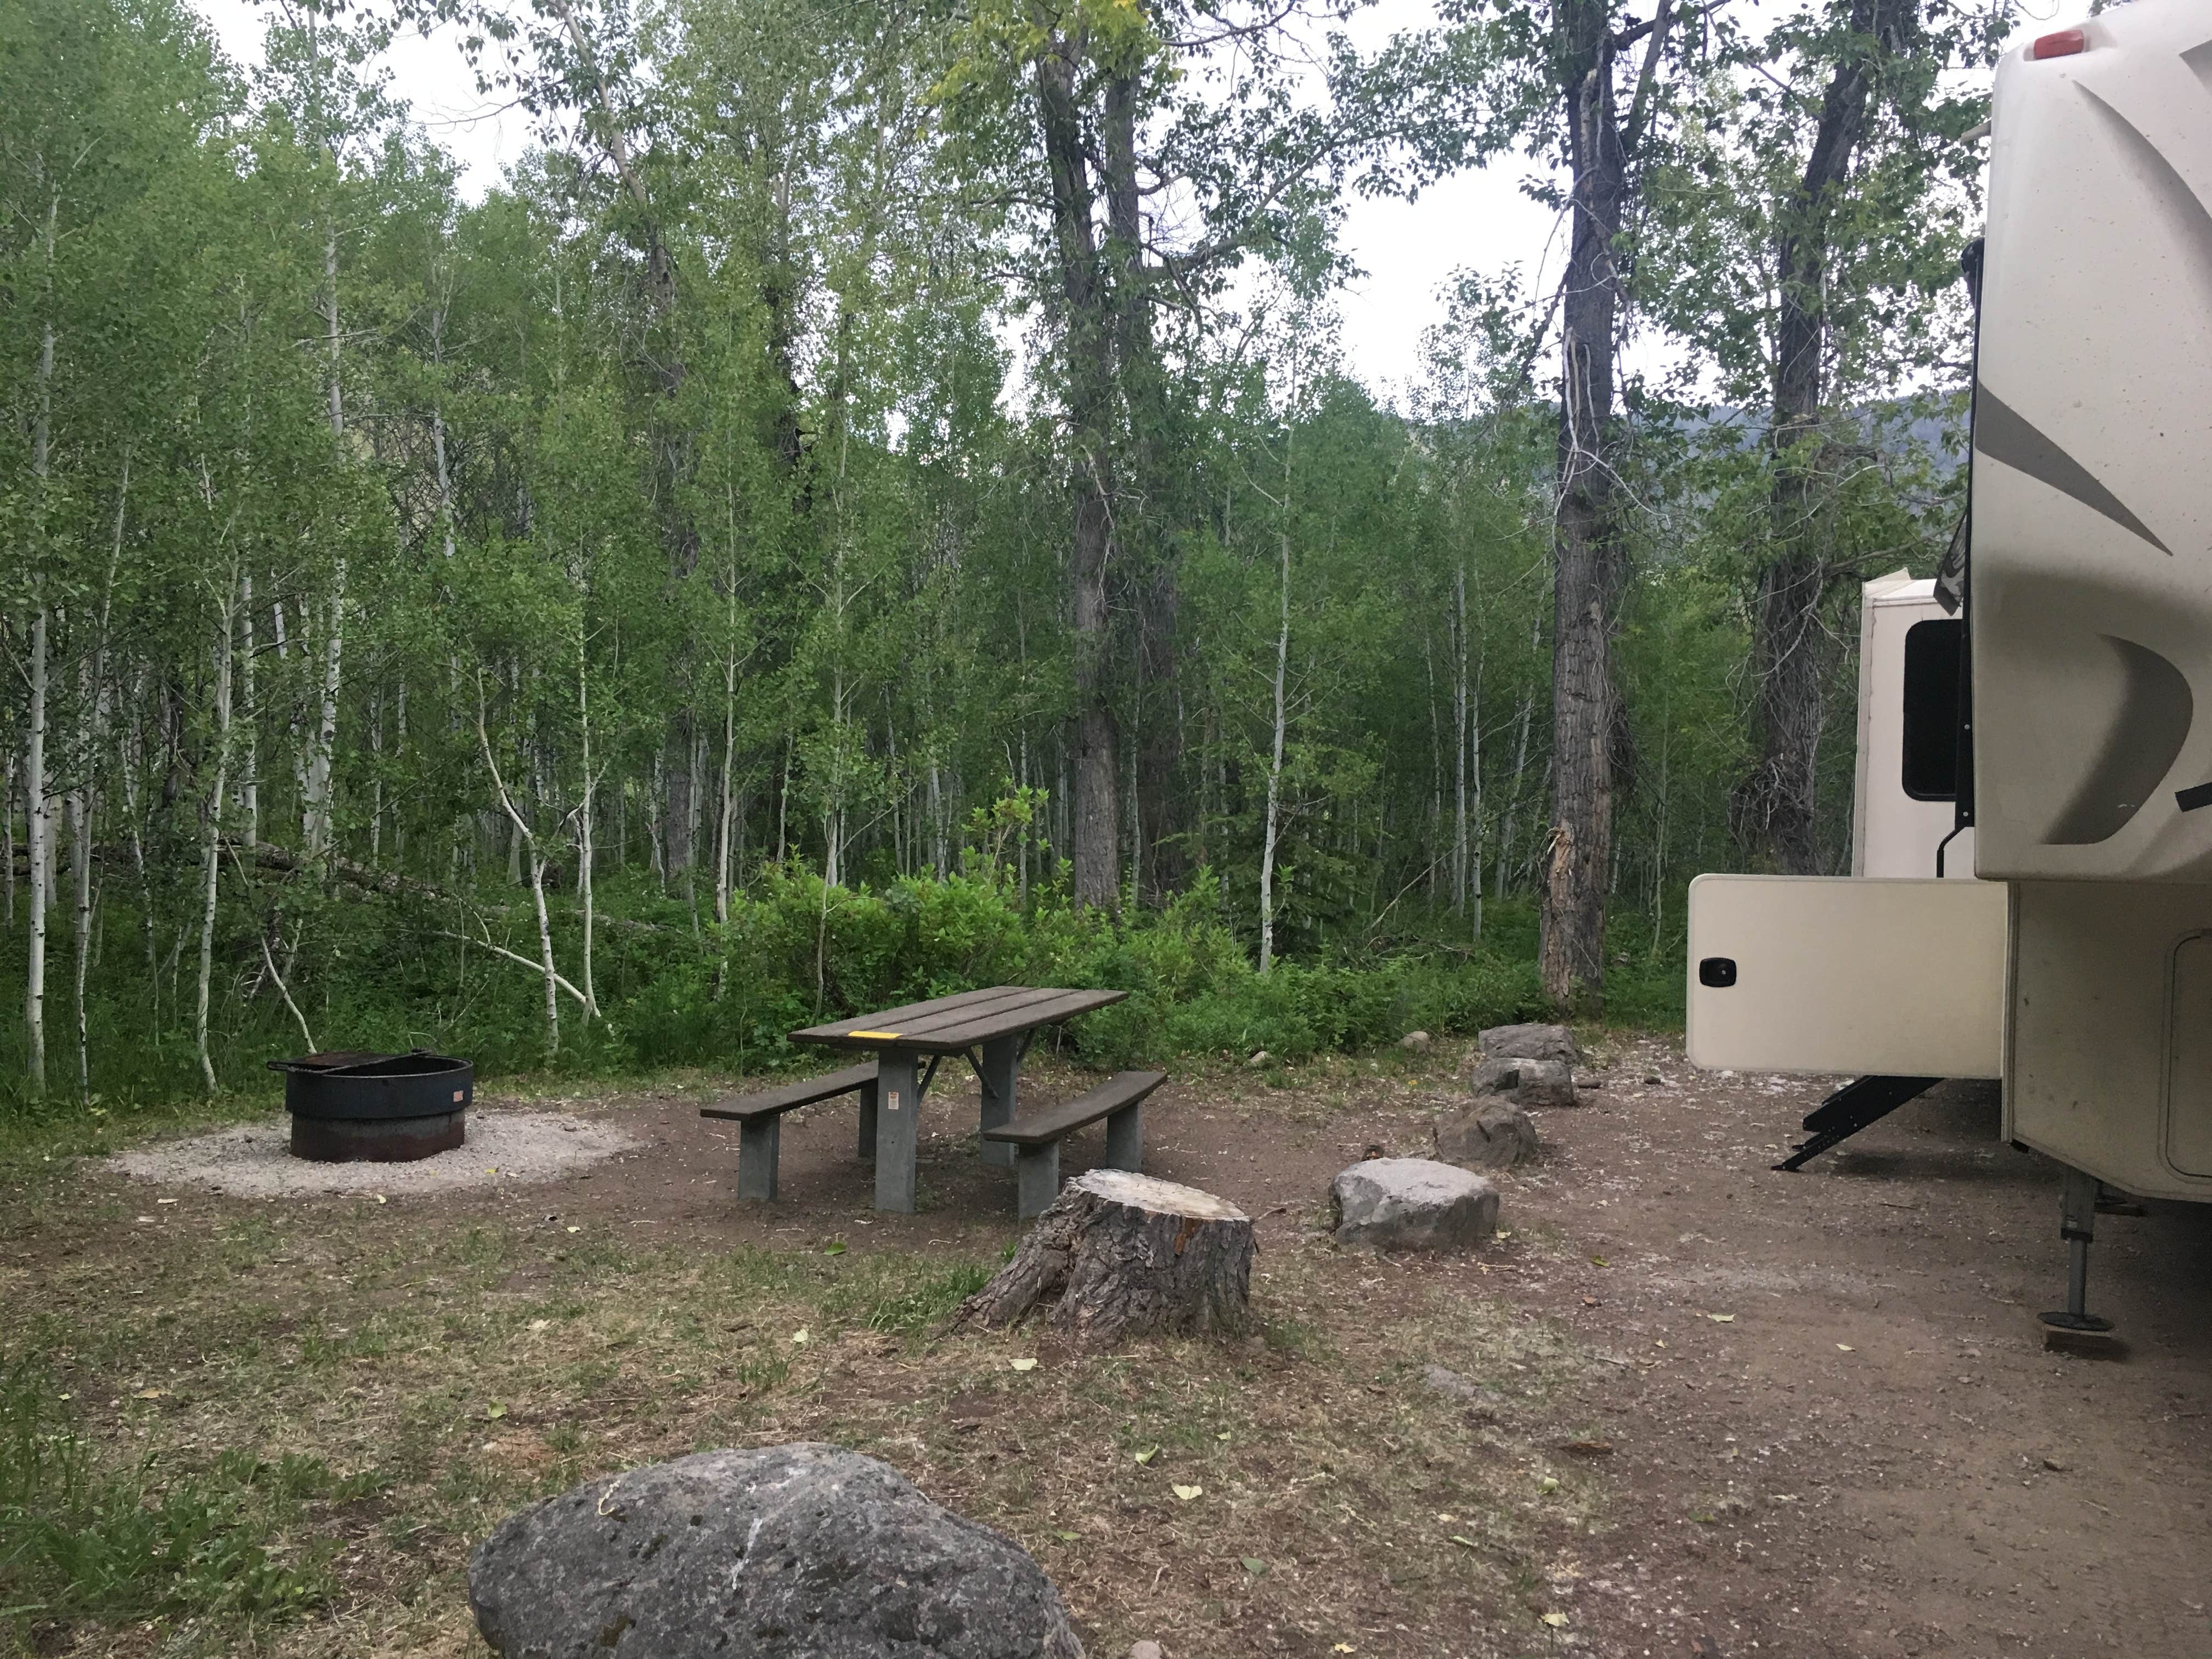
<point x="802" y="1550"/>
<point x="1496" y="1135"/>
<point x="1531" y="1084"/>
<point x="1412" y="1204"/>
<point x="1530" y="1043"/>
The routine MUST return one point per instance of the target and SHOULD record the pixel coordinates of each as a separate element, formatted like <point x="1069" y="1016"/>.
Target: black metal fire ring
<point x="377" y="1140"/>
<point x="352" y="1087"/>
<point x="350" y="1107"/>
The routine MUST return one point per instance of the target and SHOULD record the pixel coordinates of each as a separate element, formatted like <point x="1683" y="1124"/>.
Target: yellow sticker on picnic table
<point x="884" y="1035"/>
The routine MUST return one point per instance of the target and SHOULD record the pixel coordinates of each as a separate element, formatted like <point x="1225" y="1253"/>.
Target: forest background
<point x="874" y="503"/>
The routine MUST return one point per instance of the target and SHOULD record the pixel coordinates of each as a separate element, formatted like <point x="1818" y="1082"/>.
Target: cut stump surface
<point x="1120" y="1253"/>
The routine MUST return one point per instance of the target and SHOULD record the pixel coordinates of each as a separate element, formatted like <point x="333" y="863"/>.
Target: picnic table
<point x="992" y="1029"/>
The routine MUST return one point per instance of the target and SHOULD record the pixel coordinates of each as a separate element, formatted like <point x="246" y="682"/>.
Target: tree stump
<point x="1124" y="1254"/>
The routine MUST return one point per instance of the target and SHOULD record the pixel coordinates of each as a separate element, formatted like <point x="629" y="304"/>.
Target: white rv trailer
<point x="2067" y="770"/>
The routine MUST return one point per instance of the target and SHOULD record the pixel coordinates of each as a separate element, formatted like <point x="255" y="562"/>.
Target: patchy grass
<point x="278" y="1429"/>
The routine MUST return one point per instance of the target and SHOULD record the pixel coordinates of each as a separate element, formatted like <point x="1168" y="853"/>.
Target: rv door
<point x="1854" y="975"/>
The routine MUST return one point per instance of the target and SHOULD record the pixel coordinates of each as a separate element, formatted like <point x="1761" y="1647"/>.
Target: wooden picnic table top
<point x="950" y="1025"/>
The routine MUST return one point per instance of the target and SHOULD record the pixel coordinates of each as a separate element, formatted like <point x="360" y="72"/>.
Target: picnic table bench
<point x="990" y="1029"/>
<point x="760" y="1120"/>
<point x="1120" y="1100"/>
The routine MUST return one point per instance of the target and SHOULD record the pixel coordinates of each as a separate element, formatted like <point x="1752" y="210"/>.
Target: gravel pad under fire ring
<point x="255" y="1160"/>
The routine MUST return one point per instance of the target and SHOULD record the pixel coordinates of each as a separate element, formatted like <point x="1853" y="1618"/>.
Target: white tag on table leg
<point x="893" y="1101"/>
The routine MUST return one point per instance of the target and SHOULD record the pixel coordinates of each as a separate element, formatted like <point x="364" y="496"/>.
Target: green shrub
<point x="677" y="989"/>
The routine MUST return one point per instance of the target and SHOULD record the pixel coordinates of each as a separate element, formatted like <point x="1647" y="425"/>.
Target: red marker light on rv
<point x="2063" y="44"/>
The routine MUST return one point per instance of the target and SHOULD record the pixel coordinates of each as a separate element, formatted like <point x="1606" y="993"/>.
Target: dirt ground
<point x="1685" y="1405"/>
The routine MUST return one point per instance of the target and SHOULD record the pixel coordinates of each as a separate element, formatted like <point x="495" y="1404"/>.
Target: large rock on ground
<point x="1530" y="1043"/>
<point x="801" y="1550"/>
<point x="1496" y="1135"/>
<point x="1531" y="1084"/>
<point x="1414" y="1204"/>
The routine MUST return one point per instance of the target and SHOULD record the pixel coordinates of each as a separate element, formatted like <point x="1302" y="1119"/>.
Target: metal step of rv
<point x="1852" y="1108"/>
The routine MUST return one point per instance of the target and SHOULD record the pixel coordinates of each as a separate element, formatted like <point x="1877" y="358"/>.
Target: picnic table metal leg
<point x="759" y="1141"/>
<point x="1036" y="1179"/>
<point x="1002" y="1062"/>
<point x="868" y="1152"/>
<point x="898" y="1132"/>
<point x="1124" y="1138"/>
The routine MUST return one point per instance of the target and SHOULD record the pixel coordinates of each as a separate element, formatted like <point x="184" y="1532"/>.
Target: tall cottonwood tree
<point x="1801" y="242"/>
<point x="1584" y="84"/>
<point x="1100" y="112"/>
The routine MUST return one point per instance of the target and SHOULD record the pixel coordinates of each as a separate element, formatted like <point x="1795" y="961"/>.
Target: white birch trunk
<point x="210" y="862"/>
<point x="316" y="786"/>
<point x="729" y="759"/>
<point x="8" y="834"/>
<point x="315" y="814"/>
<point x="83" y="800"/>
<point x="76" y="815"/>
<point x="398" y="820"/>
<point x="583" y="827"/>
<point x="523" y="838"/>
<point x="1459" y="849"/>
<point x="1275" y="756"/>
<point x="376" y="779"/>
<point x="283" y="639"/>
<point x="1435" y="850"/>
<point x="249" y="791"/>
<point x="438" y="434"/>
<point x="39" y="834"/>
<point x="1513" y="806"/>
<point x="652" y="820"/>
<point x="1472" y="724"/>
<point x="39" y="822"/>
<point x="129" y="761"/>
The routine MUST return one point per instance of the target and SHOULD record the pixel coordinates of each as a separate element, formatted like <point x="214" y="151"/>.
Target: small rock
<point x="1146" y="1650"/>
<point x="1530" y="1043"/>
<point x="1416" y="1042"/>
<point x="1374" y="1149"/>
<point x="1260" y="1057"/>
<point x="1529" y="1084"/>
<point x="1412" y="1204"/>
<point x="1654" y="1077"/>
<point x="1449" y="1383"/>
<point x="1495" y="1135"/>
<point x="702" y="1555"/>
<point x="2054" y="1465"/>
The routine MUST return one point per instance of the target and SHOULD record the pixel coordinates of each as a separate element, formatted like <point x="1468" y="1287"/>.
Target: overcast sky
<point x="1478" y="219"/>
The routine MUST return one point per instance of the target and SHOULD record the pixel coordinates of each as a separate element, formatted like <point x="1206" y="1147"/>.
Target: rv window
<point x="1931" y="708"/>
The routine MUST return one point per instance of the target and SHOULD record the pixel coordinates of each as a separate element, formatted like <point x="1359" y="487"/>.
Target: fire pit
<point x="387" y="1109"/>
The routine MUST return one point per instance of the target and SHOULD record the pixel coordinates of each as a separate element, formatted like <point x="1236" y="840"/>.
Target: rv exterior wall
<point x="1892" y="833"/>
<point x="2109" y="1053"/>
<point x="1849" y="975"/>
<point x="2091" y="605"/>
